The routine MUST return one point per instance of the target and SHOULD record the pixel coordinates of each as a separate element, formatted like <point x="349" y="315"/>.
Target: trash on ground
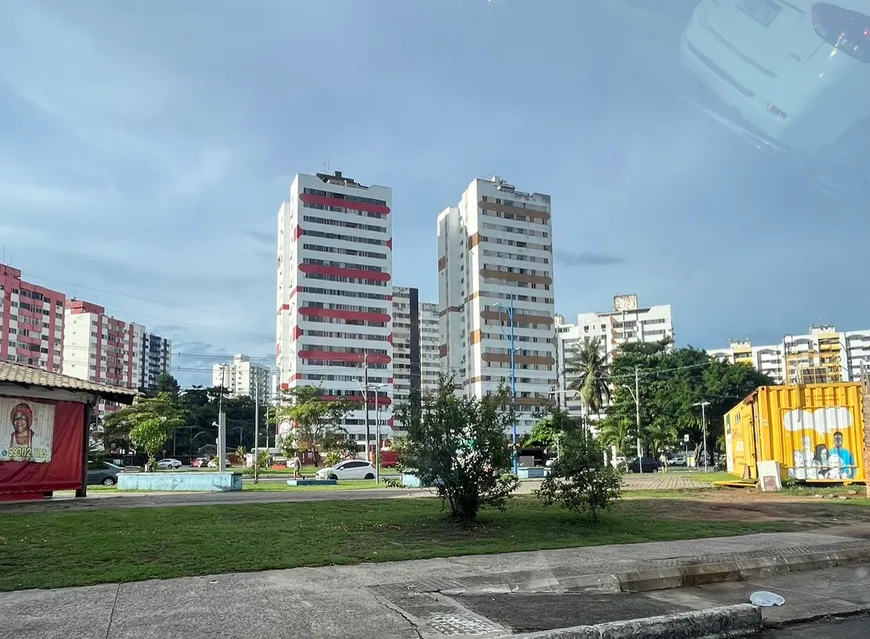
<point x="766" y="599"/>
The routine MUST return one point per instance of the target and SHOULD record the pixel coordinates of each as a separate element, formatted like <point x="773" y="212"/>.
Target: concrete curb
<point x="715" y="623"/>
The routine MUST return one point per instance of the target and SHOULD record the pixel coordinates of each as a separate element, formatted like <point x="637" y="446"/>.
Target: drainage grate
<point x="433" y="585"/>
<point x="459" y="625"/>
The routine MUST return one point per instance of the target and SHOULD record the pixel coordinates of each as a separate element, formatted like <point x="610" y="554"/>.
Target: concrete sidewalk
<point x="398" y="600"/>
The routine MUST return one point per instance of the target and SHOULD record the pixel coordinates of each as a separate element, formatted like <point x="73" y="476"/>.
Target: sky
<point x="148" y="144"/>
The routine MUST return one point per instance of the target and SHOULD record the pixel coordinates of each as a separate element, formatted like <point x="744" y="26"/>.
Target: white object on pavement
<point x="766" y="599"/>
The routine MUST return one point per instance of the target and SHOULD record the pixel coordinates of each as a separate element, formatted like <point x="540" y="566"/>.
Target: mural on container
<point x="817" y="443"/>
<point x="28" y="432"/>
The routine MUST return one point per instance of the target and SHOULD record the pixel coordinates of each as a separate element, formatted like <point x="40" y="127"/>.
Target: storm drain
<point x="458" y="625"/>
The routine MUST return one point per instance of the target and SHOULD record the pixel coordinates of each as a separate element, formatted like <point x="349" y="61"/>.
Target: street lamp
<point x="509" y="311"/>
<point x="365" y="391"/>
<point x="703" y="404"/>
<point x="635" y="395"/>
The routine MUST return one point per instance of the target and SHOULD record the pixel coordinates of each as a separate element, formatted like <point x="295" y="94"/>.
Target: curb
<point x="728" y="622"/>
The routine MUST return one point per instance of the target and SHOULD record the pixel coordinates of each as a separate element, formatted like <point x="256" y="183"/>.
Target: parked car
<point x="351" y="469"/>
<point x="103" y="473"/>
<point x="214" y="463"/>
<point x="200" y="462"/>
<point x="170" y="464"/>
<point x="650" y="465"/>
<point x="677" y="460"/>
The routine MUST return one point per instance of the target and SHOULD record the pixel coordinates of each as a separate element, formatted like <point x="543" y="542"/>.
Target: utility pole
<point x="637" y="416"/>
<point x="377" y="437"/>
<point x="703" y="404"/>
<point x="366" y="401"/>
<point x="513" y="374"/>
<point x="222" y="425"/>
<point x="256" y="456"/>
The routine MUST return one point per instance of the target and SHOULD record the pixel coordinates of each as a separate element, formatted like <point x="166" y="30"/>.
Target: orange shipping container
<point x="815" y="432"/>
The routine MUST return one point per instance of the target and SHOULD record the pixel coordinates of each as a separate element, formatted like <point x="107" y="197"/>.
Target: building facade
<point x="334" y="297"/>
<point x="243" y="378"/>
<point x="31" y="322"/>
<point x="495" y="259"/>
<point x="430" y="360"/>
<point x="155" y="358"/>
<point x="823" y="354"/>
<point x="627" y="322"/>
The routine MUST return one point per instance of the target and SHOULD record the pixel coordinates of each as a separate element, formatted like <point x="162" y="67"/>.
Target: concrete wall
<point x="182" y="482"/>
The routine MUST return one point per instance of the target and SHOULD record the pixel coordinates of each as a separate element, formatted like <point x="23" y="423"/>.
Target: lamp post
<point x="635" y="395"/>
<point x="703" y="404"/>
<point x="364" y="389"/>
<point x="509" y="311"/>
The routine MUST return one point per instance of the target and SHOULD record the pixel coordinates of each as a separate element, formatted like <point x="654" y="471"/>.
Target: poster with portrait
<point x="26" y="430"/>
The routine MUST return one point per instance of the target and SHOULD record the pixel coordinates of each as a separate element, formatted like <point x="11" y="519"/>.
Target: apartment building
<point x="100" y="348"/>
<point x="334" y="297"/>
<point x="416" y="363"/>
<point x="155" y="359"/>
<point x="627" y="322"/>
<point x="495" y="280"/>
<point x="242" y="378"/>
<point x="31" y="322"/>
<point x="823" y="354"/>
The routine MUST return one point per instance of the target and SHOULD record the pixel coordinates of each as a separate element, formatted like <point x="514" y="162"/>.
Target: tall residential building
<point x="430" y="360"/>
<point x="627" y="322"/>
<point x="31" y="322"/>
<point x="155" y="358"/>
<point x="416" y="363"/>
<point x="334" y="298"/>
<point x="100" y="348"/>
<point x="243" y="378"/>
<point x="823" y="354"/>
<point x="495" y="252"/>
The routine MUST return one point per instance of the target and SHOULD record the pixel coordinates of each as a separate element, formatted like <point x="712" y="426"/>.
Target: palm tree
<point x="614" y="432"/>
<point x="590" y="368"/>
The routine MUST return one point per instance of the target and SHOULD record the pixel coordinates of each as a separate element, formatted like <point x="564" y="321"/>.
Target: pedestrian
<point x="297" y="467"/>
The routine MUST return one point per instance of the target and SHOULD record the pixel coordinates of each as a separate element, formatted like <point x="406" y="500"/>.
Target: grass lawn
<point x="281" y="486"/>
<point x="55" y="549"/>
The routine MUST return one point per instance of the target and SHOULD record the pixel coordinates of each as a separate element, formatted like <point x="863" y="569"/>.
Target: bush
<point x="457" y="444"/>
<point x="579" y="479"/>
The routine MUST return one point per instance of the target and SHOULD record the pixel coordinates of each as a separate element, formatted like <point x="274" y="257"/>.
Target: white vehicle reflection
<point x="796" y="72"/>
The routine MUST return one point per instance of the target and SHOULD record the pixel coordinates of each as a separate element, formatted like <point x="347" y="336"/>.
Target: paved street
<point x="434" y="598"/>
<point x="851" y="628"/>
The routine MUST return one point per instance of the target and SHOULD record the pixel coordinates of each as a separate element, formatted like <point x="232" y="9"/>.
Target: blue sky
<point x="148" y="144"/>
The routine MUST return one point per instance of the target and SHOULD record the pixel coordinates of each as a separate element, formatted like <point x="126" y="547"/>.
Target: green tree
<point x="579" y="480"/>
<point x="166" y="383"/>
<point x="547" y="431"/>
<point x="316" y="421"/>
<point x="589" y="365"/>
<point x="458" y="444"/>
<point x="149" y="421"/>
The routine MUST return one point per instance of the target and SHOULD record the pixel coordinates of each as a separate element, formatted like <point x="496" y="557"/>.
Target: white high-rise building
<point x="495" y="253"/>
<point x="430" y="360"/>
<point x="627" y="322"/>
<point x="334" y="297"/>
<point x="242" y="378"/>
<point x="823" y="354"/>
<point x="155" y="358"/>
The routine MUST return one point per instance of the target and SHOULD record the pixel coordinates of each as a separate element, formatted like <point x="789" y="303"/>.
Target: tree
<point x="316" y="420"/>
<point x="166" y="383"/>
<point x="579" y="480"/>
<point x="548" y="431"/>
<point x="590" y="367"/>
<point x="149" y="421"/>
<point x="458" y="444"/>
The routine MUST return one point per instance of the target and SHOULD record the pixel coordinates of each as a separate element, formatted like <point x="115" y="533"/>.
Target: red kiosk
<point x="44" y="430"/>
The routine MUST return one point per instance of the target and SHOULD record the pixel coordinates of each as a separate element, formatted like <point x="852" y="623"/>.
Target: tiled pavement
<point x="662" y="481"/>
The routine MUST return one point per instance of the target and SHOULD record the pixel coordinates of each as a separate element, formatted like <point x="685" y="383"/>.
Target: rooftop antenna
<point x="326" y="165"/>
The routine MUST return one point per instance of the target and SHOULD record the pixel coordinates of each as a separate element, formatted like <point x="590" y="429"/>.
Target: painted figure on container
<point x="841" y="460"/>
<point x="24" y="443"/>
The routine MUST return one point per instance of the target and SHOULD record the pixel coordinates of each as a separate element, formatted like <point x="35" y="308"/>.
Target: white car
<point x="351" y="469"/>
<point x="171" y="464"/>
<point x="796" y="71"/>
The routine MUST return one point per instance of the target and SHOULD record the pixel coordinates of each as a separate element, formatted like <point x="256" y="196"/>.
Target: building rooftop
<point x="27" y="376"/>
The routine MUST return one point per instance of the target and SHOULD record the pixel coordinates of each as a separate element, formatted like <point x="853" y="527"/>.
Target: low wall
<point x="182" y="482"/>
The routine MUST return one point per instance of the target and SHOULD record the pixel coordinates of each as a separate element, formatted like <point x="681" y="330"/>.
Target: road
<point x="852" y="628"/>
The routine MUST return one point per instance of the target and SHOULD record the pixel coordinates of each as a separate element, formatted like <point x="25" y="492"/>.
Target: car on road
<point x="677" y="460"/>
<point x="649" y="465"/>
<point x="169" y="464"/>
<point x="797" y="72"/>
<point x="350" y="469"/>
<point x="214" y="463"/>
<point x="103" y="473"/>
<point x="200" y="462"/>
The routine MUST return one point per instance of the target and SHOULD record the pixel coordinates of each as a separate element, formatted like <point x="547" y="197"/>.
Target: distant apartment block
<point x="416" y="362"/>
<point x="155" y="358"/>
<point x="823" y="354"/>
<point x="627" y="322"/>
<point x="243" y="378"/>
<point x="31" y="322"/>
<point x="495" y="252"/>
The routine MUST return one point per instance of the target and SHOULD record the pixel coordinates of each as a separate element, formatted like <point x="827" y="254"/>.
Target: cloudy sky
<point x="147" y="145"/>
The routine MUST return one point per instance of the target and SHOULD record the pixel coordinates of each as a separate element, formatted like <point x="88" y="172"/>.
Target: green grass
<point x="56" y="549"/>
<point x="709" y="478"/>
